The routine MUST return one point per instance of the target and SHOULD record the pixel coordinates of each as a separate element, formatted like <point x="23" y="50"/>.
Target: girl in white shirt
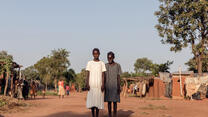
<point x="95" y="83"/>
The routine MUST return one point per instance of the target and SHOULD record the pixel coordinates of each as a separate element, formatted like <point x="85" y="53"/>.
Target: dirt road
<point x="74" y="106"/>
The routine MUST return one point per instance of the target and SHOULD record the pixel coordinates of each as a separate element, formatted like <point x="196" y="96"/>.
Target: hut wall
<point x="176" y="86"/>
<point x="158" y="89"/>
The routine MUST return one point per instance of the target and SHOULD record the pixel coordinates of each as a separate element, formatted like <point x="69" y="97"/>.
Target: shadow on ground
<point x="69" y="114"/>
<point x="121" y="113"/>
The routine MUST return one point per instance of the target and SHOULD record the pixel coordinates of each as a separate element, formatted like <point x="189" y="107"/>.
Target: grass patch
<point x="2" y="102"/>
<point x="48" y="93"/>
<point x="145" y="113"/>
<point x="154" y="107"/>
<point x="132" y="95"/>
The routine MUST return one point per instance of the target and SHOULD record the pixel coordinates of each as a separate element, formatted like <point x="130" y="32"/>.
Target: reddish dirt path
<point x="74" y="106"/>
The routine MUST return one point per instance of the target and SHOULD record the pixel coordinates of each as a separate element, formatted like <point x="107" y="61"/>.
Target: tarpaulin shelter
<point x="196" y="85"/>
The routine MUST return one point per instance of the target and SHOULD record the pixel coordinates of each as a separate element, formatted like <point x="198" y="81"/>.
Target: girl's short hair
<point x="111" y="53"/>
<point x="95" y="49"/>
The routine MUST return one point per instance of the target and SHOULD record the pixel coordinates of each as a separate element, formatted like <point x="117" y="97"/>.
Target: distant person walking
<point x="33" y="89"/>
<point x="19" y="89"/>
<point x="61" y="91"/>
<point x="112" y="84"/>
<point x="95" y="83"/>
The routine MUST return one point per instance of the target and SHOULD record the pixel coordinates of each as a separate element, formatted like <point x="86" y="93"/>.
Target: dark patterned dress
<point x="111" y="88"/>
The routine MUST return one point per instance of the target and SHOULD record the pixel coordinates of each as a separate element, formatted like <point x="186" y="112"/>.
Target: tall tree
<point x="184" y="23"/>
<point x="43" y="66"/>
<point x="60" y="63"/>
<point x="52" y="67"/>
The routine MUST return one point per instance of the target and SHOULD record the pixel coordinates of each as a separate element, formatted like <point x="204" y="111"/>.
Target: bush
<point x="2" y="102"/>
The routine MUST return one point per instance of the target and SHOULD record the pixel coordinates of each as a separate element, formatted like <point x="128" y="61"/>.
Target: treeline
<point x="54" y="67"/>
<point x="51" y="68"/>
<point x="145" y="66"/>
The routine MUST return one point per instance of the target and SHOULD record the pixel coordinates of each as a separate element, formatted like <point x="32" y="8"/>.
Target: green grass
<point x="48" y="93"/>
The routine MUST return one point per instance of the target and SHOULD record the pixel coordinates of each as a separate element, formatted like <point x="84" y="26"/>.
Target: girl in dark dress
<point x="112" y="85"/>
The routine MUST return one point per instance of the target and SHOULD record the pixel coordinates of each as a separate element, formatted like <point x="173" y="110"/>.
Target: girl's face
<point x="96" y="55"/>
<point x="110" y="59"/>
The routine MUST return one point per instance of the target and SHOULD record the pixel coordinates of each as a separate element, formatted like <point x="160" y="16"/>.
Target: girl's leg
<point x="115" y="109"/>
<point x="97" y="112"/>
<point x="109" y="109"/>
<point x="93" y="111"/>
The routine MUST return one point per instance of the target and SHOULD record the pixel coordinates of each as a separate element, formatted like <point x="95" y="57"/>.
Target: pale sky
<point x="30" y="29"/>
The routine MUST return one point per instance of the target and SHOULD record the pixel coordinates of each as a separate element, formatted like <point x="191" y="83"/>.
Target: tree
<point x="30" y="73"/>
<point x="53" y="67"/>
<point x="80" y="79"/>
<point x="59" y="64"/>
<point x="6" y="61"/>
<point x="142" y="65"/>
<point x="184" y="23"/>
<point x="5" y="55"/>
<point x="164" y="67"/>
<point x="70" y="76"/>
<point x="43" y="66"/>
<point x="192" y="64"/>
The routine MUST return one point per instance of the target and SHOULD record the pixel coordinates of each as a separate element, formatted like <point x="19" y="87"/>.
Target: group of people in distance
<point x="103" y="78"/>
<point x="61" y="90"/>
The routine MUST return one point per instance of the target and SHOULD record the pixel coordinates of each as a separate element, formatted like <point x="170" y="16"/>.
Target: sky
<point x="30" y="29"/>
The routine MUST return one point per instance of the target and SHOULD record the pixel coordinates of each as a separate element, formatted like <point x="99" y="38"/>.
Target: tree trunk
<point x="46" y="87"/>
<point x="12" y="89"/>
<point x="6" y="85"/>
<point x="79" y="88"/>
<point x="55" y="84"/>
<point x="200" y="65"/>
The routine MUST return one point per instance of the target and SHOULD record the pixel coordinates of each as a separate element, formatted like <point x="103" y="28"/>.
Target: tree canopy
<point x="184" y="23"/>
<point x="144" y="66"/>
<point x="53" y="67"/>
<point x="30" y="73"/>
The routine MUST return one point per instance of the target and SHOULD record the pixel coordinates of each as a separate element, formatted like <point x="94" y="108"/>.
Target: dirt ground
<point x="74" y="106"/>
